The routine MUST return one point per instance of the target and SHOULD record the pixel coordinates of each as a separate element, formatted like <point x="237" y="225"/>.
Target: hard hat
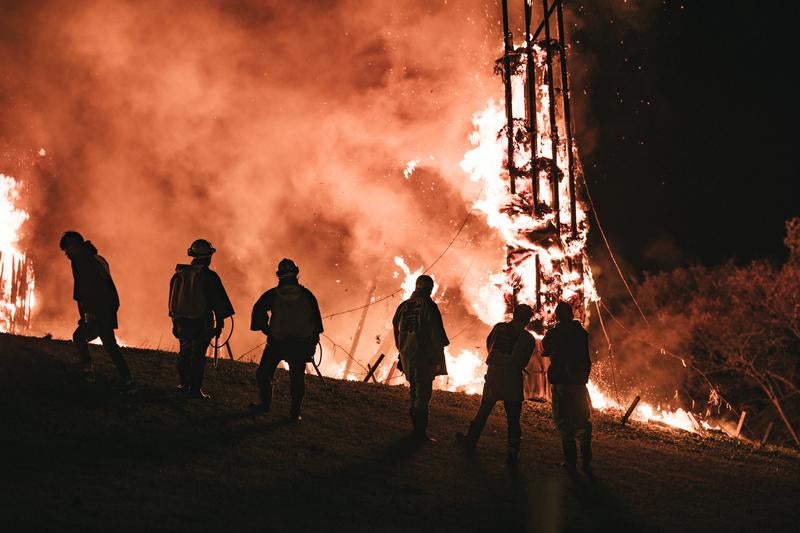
<point x="201" y="248"/>
<point x="424" y="282"/>
<point x="287" y="269"/>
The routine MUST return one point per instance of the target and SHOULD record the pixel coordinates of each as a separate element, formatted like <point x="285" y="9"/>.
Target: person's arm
<point x="526" y="345"/>
<point x="316" y="315"/>
<point x="396" y="326"/>
<point x="221" y="305"/>
<point x="547" y="344"/>
<point x="490" y="338"/>
<point x="259" y="320"/>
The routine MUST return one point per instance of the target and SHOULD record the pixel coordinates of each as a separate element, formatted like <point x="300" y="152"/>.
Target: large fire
<point x="16" y="271"/>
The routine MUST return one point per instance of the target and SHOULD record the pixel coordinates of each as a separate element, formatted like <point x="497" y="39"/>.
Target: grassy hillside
<point x="89" y="458"/>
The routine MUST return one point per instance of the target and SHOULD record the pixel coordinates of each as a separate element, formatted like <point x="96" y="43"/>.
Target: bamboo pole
<point x="567" y="117"/>
<point x="553" y="126"/>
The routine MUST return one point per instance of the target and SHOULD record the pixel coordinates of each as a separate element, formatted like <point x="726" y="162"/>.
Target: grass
<point x="90" y="458"/>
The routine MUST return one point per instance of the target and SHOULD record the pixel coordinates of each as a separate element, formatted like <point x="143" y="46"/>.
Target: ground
<point x="90" y="458"/>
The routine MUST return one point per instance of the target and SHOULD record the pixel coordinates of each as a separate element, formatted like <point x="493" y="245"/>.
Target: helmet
<point x="424" y="283"/>
<point x="201" y="248"/>
<point x="287" y="269"/>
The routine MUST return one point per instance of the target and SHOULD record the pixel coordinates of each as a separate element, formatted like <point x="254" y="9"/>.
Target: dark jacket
<point x="510" y="348"/>
<point x="219" y="306"/>
<point x="93" y="289"/>
<point x="293" y="312"/>
<point x="567" y="346"/>
<point x="420" y="337"/>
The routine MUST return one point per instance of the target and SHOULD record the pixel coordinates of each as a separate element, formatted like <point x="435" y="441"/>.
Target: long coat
<point x="510" y="348"/>
<point x="420" y="337"/>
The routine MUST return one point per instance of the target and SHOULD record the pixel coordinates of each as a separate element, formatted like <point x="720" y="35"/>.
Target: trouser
<point x="420" y="391"/>
<point x="513" y="413"/>
<point x="296" y="356"/>
<point x="571" y="410"/>
<point x="192" y="361"/>
<point x="87" y="331"/>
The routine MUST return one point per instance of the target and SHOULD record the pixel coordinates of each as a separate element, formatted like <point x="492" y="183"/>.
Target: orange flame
<point x="16" y="272"/>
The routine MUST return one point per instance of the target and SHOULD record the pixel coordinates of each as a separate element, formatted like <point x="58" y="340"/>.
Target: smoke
<point x="273" y="129"/>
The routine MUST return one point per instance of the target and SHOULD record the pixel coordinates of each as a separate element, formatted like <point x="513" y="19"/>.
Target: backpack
<point x="187" y="295"/>
<point x="292" y="314"/>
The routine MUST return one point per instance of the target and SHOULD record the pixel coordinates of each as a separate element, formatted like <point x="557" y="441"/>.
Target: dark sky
<point x="691" y="107"/>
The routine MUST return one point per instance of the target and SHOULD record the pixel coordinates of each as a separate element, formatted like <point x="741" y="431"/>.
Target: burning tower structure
<point x="530" y="170"/>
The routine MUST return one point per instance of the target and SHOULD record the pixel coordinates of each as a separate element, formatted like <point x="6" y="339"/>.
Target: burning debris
<point x="16" y="269"/>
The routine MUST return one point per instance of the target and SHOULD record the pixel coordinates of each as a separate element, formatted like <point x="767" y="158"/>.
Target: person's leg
<point x="81" y="337"/>
<point x="583" y="429"/>
<point x="479" y="422"/>
<point x="197" y="364"/>
<point x="422" y="398"/>
<point x="184" y="361"/>
<point x="297" y="383"/>
<point x="265" y="374"/>
<point x="513" y="413"/>
<point x="109" y="341"/>
<point x="564" y="423"/>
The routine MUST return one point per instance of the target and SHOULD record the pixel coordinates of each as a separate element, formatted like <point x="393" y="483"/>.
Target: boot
<point x="465" y="441"/>
<point x="419" y="420"/>
<point x="512" y="455"/>
<point x="586" y="455"/>
<point x="570" y="454"/>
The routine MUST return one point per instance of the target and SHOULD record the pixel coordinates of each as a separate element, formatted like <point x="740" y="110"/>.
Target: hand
<point x="218" y="330"/>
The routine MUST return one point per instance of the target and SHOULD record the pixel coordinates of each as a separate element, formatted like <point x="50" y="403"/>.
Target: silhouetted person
<point x="420" y="338"/>
<point x="567" y="345"/>
<point x="510" y="348"/>
<point x="289" y="316"/>
<point x="98" y="303"/>
<point x="198" y="306"/>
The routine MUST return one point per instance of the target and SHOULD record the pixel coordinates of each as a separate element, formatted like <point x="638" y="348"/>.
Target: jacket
<point x="288" y="311"/>
<point x="420" y="337"/>
<point x="567" y="346"/>
<point x="93" y="287"/>
<point x="510" y="348"/>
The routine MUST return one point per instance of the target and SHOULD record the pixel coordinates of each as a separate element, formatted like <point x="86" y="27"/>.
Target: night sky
<point x="688" y="127"/>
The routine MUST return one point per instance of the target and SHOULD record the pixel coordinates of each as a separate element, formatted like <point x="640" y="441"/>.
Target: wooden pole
<point x="741" y="423"/>
<point x="507" y="51"/>
<point x="390" y="375"/>
<point x="553" y="125"/>
<point x="766" y="434"/>
<point x="567" y="118"/>
<point x="359" y="328"/>
<point x="530" y="94"/>
<point x="629" y="412"/>
<point x="372" y="368"/>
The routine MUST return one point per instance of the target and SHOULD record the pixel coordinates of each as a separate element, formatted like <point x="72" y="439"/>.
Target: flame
<point x="16" y="271"/>
<point x="545" y="259"/>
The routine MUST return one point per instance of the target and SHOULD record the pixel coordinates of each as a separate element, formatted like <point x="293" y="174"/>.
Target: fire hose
<point x="225" y="344"/>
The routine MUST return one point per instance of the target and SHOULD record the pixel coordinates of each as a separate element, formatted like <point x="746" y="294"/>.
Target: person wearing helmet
<point x="567" y="346"/>
<point x="198" y="306"/>
<point x="510" y="348"/>
<point x="98" y="303"/>
<point x="420" y="338"/>
<point x="289" y="316"/>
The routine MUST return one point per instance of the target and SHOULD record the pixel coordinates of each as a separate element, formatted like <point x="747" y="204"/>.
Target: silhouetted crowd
<point x="289" y="316"/>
